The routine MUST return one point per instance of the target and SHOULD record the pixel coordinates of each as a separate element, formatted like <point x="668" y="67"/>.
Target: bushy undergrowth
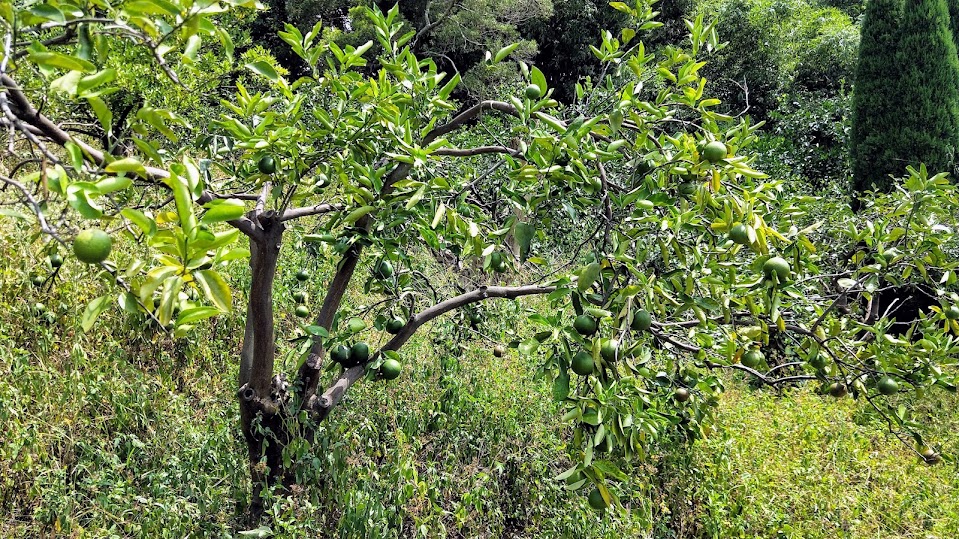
<point x="123" y="432"/>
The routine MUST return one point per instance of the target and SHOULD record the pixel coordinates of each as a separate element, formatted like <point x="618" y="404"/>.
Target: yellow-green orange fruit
<point x="92" y="246"/>
<point x="777" y="265"/>
<point x="715" y="151"/>
<point x="739" y="234"/>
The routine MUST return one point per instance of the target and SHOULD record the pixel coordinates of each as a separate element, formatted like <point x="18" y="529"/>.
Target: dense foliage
<point x="640" y="252"/>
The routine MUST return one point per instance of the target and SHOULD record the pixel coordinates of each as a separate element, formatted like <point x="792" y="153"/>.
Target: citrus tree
<point x="662" y="257"/>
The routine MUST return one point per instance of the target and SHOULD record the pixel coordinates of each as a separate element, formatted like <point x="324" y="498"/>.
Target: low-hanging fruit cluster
<point x="92" y="246"/>
<point x="355" y="355"/>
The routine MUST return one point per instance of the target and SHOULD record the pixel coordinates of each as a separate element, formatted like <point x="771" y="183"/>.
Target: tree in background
<point x="876" y="109"/>
<point x="928" y="115"/>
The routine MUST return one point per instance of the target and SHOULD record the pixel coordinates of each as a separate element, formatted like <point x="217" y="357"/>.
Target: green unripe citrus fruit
<point x="340" y="354"/>
<point x="596" y="500"/>
<point x="383" y="269"/>
<point x="952" y="312"/>
<point x="817" y="361"/>
<point x="299" y="296"/>
<point x="394" y="326"/>
<point x="37" y="280"/>
<point x="92" y="246"/>
<point x="497" y="262"/>
<point x="715" y="151"/>
<point x="359" y="353"/>
<point x="752" y="358"/>
<point x="687" y="188"/>
<point x="266" y="165"/>
<point x="582" y="363"/>
<point x="584" y="324"/>
<point x="739" y="234"/>
<point x="681" y="394"/>
<point x="302" y="275"/>
<point x="610" y="350"/>
<point x="499" y="350"/>
<point x="838" y="390"/>
<point x="532" y="92"/>
<point x="888" y="386"/>
<point x="777" y="265"/>
<point x="390" y="369"/>
<point x="56" y="260"/>
<point x="302" y="311"/>
<point x="642" y="320"/>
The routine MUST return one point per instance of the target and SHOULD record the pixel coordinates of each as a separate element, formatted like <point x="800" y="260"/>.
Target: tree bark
<point x="258" y="410"/>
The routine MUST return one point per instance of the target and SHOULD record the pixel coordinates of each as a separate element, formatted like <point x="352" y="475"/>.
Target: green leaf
<point x="356" y="325"/>
<point x="93" y="310"/>
<point x="103" y="112"/>
<point x="538" y="78"/>
<point x="524" y="236"/>
<point x="97" y="79"/>
<point x="75" y="153"/>
<point x="127" y="164"/>
<point x="588" y="276"/>
<point x="113" y="184"/>
<point x="561" y="386"/>
<point x="223" y="210"/>
<point x="504" y="52"/>
<point x="79" y="199"/>
<point x="357" y="214"/>
<point x="48" y="12"/>
<point x="196" y="314"/>
<point x="215" y="288"/>
<point x="528" y="346"/>
<point x="184" y="203"/>
<point x="61" y="61"/>
<point x="263" y="68"/>
<point x="137" y="217"/>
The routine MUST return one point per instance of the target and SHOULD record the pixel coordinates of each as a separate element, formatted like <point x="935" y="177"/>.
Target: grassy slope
<point x="123" y="432"/>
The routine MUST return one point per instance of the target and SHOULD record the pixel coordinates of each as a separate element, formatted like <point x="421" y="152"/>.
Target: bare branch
<point x="334" y="394"/>
<point x="319" y="209"/>
<point x="481" y="150"/>
<point x="467" y="115"/>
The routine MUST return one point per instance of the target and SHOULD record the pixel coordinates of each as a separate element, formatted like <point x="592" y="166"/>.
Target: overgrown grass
<point x="123" y="432"/>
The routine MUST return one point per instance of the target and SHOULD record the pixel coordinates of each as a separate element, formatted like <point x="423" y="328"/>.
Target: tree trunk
<point x="259" y="393"/>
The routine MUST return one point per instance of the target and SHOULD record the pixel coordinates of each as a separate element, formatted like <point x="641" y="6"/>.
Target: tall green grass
<point x="124" y="432"/>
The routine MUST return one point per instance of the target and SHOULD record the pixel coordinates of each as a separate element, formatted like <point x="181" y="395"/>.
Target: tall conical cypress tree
<point x="930" y="86"/>
<point x="954" y="21"/>
<point x="876" y="114"/>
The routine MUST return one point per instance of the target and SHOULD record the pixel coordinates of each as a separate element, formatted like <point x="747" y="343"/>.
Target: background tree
<point x="877" y="98"/>
<point x="928" y="125"/>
